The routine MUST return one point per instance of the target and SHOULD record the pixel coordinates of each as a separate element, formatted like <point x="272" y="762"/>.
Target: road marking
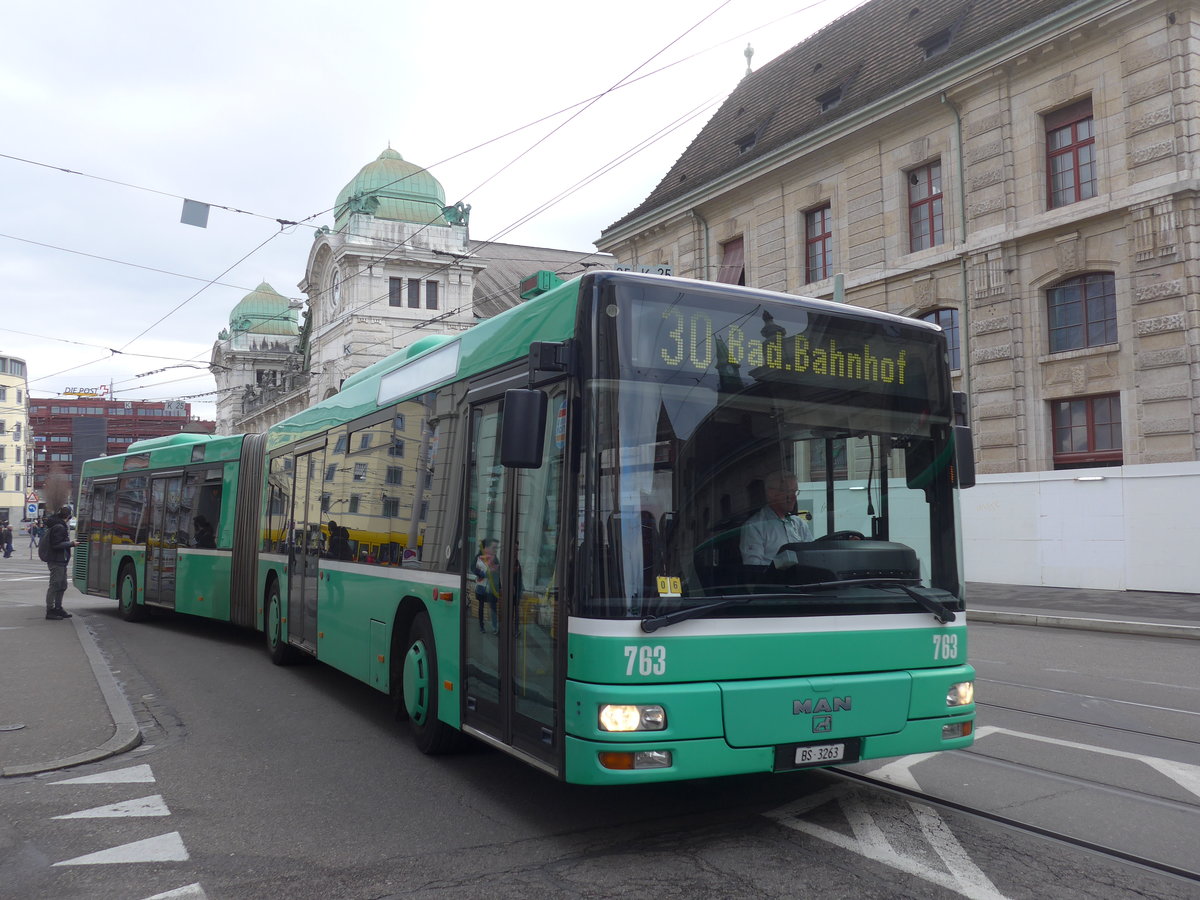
<point x="131" y="775"/>
<point x="164" y="848"/>
<point x="1186" y="775"/>
<point x="189" y="892"/>
<point x="909" y="824"/>
<point x="153" y="805"/>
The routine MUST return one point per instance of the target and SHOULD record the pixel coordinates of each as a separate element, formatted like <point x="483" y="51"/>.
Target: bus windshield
<point x="792" y="455"/>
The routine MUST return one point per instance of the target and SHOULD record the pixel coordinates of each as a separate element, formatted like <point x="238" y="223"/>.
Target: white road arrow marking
<point x="164" y="848"/>
<point x="131" y="775"/>
<point x="153" y="805"/>
<point x="190" y="892"/>
<point x="1186" y="775"/>
<point x="906" y="823"/>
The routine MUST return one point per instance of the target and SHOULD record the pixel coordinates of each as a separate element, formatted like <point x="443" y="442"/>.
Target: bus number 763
<point x="649" y="660"/>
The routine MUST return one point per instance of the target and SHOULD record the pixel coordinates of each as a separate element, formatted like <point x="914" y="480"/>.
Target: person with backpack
<point x="55" y="551"/>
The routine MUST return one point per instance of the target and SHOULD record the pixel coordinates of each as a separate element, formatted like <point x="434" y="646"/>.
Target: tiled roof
<point x="872" y="52"/>
<point x="497" y="286"/>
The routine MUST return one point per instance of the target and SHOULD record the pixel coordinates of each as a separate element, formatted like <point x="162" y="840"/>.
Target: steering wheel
<point x="843" y="536"/>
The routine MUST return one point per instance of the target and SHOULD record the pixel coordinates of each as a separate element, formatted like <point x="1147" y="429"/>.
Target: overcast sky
<point x="272" y="106"/>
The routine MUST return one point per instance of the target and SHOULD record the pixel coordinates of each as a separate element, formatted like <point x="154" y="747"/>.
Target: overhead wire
<point x="581" y="107"/>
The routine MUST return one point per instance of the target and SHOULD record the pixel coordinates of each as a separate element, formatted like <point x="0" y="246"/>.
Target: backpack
<point x="44" y="545"/>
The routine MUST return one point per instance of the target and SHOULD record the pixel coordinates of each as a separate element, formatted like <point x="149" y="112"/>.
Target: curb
<point x="127" y="734"/>
<point x="1114" y="626"/>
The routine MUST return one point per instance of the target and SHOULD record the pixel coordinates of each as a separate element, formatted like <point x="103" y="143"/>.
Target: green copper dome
<point x="264" y="311"/>
<point x="390" y="188"/>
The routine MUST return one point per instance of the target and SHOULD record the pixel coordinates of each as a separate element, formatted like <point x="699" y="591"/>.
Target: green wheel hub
<point x="273" y="622"/>
<point x="127" y="593"/>
<point x="416" y="683"/>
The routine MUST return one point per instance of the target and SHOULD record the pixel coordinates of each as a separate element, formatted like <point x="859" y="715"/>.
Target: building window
<point x="17" y="482"/>
<point x="431" y="295"/>
<point x="1071" y="154"/>
<point x="947" y="320"/>
<point x="3" y="393"/>
<point x="360" y="471"/>
<point x="925" y="207"/>
<point x="395" y="475"/>
<point x="354" y="501"/>
<point x="818" y="242"/>
<point x="733" y="262"/>
<point x="395" y="292"/>
<point x="326" y="502"/>
<point x="397" y="448"/>
<point x="330" y="472"/>
<point x="1087" y="431"/>
<point x="414" y="293"/>
<point x="364" y="440"/>
<point x="1083" y="312"/>
<point x="340" y="446"/>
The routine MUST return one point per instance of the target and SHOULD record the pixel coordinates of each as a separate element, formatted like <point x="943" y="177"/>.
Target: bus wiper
<point x="653" y="623"/>
<point x="937" y="610"/>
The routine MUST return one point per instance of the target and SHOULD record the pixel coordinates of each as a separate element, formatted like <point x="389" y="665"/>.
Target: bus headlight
<point x="961" y="694"/>
<point x="627" y="717"/>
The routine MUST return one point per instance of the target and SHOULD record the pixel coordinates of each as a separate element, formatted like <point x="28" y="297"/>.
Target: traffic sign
<point x="31" y="509"/>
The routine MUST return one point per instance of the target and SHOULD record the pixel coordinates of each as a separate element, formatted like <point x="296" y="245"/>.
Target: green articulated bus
<point x="635" y="529"/>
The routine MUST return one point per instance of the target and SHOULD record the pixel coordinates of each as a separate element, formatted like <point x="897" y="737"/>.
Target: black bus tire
<point x="127" y="594"/>
<point x="420" y="691"/>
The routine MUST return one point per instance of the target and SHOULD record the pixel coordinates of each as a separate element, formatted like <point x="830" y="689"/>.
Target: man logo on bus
<point x="807" y="706"/>
<point x="822" y="724"/>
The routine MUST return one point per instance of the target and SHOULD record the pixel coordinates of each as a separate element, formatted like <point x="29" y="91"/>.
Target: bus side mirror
<point x="964" y="456"/>
<point x="524" y="429"/>
<point x="964" y="444"/>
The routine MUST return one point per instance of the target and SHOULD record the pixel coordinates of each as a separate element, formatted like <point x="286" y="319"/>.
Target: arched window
<point x="947" y="319"/>
<point x="1082" y="312"/>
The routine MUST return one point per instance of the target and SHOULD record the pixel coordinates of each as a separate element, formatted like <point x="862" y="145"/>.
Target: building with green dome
<point x="398" y="264"/>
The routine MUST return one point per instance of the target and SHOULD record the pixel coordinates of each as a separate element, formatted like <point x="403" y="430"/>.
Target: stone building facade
<point x="1024" y="174"/>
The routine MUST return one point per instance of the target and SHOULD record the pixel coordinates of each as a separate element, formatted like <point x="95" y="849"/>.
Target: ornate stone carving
<point x="1159" y="324"/>
<point x="991" y="354"/>
<point x="1068" y="253"/>
<point x="1159" y="291"/>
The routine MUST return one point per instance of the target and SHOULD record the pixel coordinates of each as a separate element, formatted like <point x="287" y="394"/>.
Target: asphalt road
<point x="292" y="782"/>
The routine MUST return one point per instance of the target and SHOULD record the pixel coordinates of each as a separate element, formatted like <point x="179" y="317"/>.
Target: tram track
<point x="1109" y="853"/>
<point x="1102" y="725"/>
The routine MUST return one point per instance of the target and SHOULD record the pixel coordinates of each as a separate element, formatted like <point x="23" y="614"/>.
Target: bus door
<point x="162" y="540"/>
<point x="304" y="550"/>
<point x="100" y="537"/>
<point x="511" y="671"/>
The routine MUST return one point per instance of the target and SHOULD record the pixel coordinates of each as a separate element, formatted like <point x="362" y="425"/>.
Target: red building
<point x="68" y="430"/>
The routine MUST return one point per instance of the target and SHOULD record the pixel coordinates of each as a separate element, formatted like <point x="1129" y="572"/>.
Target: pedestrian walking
<point x="55" y="552"/>
<point x="6" y="539"/>
<point x="36" y="529"/>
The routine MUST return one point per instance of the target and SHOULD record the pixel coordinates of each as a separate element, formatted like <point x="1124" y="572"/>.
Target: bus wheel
<point x="420" y="686"/>
<point x="127" y="594"/>
<point x="277" y="647"/>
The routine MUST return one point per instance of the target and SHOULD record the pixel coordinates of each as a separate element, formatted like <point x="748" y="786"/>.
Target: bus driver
<point x="774" y="525"/>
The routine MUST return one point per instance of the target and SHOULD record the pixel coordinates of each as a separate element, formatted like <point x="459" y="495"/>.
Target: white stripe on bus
<point x="632" y="628"/>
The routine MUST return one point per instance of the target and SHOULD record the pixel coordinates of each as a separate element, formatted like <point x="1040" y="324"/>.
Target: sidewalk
<point x="61" y="706"/>
<point x="1120" y="612"/>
